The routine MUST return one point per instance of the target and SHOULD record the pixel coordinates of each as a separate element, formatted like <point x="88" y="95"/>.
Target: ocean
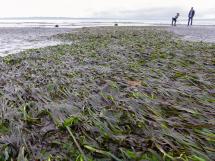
<point x="91" y="22"/>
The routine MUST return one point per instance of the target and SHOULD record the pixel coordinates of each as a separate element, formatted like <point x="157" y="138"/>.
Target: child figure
<point x="174" y="19"/>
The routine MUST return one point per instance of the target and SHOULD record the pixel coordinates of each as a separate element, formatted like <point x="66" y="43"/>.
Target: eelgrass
<point x="120" y="93"/>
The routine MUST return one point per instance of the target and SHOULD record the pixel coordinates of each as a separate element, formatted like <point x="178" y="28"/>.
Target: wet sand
<point x="13" y="40"/>
<point x="194" y="33"/>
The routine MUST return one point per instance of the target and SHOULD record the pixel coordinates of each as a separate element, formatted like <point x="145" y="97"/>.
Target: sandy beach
<point x="115" y="93"/>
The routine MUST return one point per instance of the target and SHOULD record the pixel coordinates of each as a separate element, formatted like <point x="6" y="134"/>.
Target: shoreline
<point x="71" y="23"/>
<point x="112" y="25"/>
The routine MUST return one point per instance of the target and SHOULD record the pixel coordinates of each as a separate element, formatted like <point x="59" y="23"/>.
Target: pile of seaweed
<point x="115" y="93"/>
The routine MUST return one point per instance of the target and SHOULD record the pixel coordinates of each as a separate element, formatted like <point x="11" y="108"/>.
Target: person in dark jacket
<point x="174" y="19"/>
<point x="190" y="16"/>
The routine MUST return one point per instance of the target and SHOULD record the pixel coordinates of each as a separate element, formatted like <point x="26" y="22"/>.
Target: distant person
<point x="174" y="19"/>
<point x="190" y="16"/>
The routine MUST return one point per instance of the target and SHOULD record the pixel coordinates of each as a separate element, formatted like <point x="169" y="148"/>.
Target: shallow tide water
<point x="13" y="40"/>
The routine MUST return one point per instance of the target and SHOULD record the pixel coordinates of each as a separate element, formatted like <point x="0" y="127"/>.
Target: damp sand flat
<point x="194" y="33"/>
<point x="13" y="40"/>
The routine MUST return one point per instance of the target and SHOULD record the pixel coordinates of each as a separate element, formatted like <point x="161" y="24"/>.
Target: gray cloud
<point x="152" y="13"/>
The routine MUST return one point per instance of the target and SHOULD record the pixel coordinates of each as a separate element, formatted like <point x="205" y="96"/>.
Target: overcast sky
<point x="146" y="9"/>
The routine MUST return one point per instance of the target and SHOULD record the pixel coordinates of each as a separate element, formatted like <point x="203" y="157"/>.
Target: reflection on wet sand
<point x="13" y="40"/>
